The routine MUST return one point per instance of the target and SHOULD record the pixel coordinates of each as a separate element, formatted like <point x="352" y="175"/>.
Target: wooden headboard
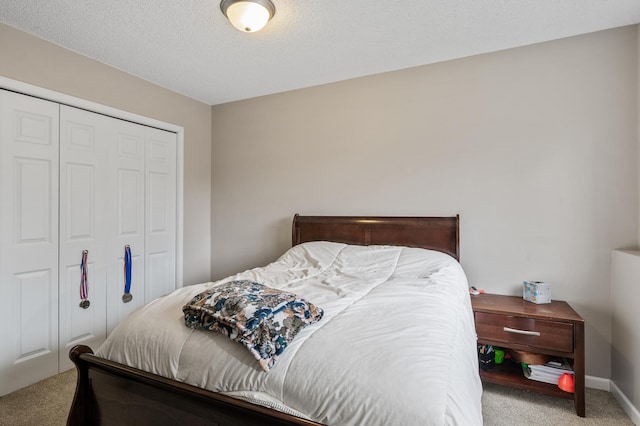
<point x="435" y="233"/>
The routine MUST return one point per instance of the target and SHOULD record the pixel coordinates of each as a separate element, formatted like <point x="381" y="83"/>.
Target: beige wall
<point x="536" y="148"/>
<point x="32" y="60"/>
<point x="625" y="334"/>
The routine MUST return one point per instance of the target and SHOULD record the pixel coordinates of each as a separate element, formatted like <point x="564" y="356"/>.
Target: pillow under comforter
<point x="263" y="319"/>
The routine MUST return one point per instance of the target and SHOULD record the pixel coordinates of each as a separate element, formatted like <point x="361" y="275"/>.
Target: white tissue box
<point x="536" y="291"/>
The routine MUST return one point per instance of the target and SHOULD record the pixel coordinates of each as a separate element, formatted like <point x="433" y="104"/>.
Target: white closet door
<point x="160" y="219"/>
<point x="83" y="226"/>
<point x="127" y="194"/>
<point x="28" y="240"/>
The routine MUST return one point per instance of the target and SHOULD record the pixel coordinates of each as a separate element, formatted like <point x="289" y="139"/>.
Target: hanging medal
<point x="127" y="297"/>
<point x="84" y="285"/>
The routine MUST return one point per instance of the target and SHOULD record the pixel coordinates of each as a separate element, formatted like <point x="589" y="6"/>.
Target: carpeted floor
<point x="503" y="406"/>
<point x="46" y="404"/>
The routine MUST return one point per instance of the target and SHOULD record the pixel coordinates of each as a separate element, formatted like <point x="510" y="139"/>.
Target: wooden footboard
<point x="109" y="393"/>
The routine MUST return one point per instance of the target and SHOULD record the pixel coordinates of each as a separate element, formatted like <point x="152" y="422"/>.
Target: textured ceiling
<point x="189" y="46"/>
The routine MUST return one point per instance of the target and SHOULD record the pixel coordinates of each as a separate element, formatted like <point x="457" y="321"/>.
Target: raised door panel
<point x="126" y="190"/>
<point x="29" y="143"/>
<point x="83" y="227"/>
<point x="160" y="218"/>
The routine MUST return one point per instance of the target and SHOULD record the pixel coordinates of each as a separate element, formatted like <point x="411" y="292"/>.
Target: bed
<point x="396" y="344"/>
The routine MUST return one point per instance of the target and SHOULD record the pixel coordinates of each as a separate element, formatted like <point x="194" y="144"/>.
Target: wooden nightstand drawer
<point x="543" y="334"/>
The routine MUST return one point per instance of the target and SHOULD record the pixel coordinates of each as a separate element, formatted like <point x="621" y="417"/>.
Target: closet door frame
<point x="61" y="98"/>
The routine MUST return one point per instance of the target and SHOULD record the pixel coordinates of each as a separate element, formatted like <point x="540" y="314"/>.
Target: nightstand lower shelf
<point x="510" y="374"/>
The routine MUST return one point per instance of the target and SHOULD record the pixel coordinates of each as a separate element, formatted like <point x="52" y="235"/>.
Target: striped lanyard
<point x="84" y="281"/>
<point x="127" y="297"/>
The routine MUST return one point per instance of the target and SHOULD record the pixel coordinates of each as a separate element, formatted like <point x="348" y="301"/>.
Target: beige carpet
<point x="503" y="406"/>
<point x="46" y="404"/>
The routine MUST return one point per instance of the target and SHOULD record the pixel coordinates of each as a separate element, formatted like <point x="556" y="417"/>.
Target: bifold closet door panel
<point x="29" y="141"/>
<point x="84" y="218"/>
<point x="160" y="216"/>
<point x="126" y="194"/>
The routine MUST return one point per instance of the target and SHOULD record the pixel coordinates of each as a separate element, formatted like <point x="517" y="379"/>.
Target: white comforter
<point x="396" y="346"/>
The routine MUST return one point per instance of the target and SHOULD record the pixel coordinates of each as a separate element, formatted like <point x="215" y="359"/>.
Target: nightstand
<point x="551" y="328"/>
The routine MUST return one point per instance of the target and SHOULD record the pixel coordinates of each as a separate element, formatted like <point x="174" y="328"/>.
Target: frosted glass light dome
<point x="248" y="15"/>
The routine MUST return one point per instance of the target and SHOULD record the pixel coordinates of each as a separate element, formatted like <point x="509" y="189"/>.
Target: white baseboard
<point x="597" y="383"/>
<point x="609" y="386"/>
<point x="626" y="405"/>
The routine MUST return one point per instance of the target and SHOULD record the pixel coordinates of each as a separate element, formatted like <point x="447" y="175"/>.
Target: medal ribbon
<point x="84" y="285"/>
<point x="127" y="269"/>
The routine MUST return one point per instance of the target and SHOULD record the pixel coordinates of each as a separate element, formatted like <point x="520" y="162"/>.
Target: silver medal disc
<point x="127" y="297"/>
<point x="85" y="304"/>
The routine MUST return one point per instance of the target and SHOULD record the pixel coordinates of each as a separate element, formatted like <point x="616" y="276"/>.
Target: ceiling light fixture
<point x="248" y="15"/>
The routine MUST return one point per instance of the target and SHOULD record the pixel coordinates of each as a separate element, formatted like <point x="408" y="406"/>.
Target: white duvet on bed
<point x="396" y="345"/>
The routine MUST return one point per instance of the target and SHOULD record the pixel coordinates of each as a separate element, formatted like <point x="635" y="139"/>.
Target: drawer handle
<point x="516" y="331"/>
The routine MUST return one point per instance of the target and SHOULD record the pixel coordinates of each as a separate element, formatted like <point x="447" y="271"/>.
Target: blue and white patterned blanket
<point x="263" y="319"/>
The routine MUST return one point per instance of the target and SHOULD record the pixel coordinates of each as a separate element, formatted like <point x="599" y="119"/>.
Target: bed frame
<point x="435" y="233"/>
<point x="109" y="393"/>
